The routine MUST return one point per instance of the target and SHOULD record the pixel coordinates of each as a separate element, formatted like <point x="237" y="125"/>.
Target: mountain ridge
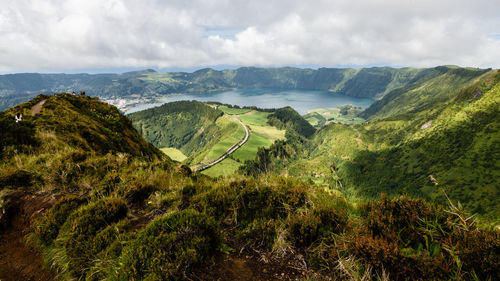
<point x="101" y="211"/>
<point x="372" y="82"/>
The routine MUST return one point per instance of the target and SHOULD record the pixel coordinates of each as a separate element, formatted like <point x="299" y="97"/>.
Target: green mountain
<point x="100" y="203"/>
<point x="149" y="85"/>
<point x="437" y="136"/>
<point x="186" y="125"/>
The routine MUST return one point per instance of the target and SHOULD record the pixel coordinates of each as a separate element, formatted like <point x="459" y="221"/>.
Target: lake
<point x="300" y="100"/>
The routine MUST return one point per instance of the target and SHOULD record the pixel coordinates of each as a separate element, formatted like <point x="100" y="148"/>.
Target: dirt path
<point x="37" y="108"/>
<point x="227" y="153"/>
<point x="17" y="260"/>
<point x="245" y="268"/>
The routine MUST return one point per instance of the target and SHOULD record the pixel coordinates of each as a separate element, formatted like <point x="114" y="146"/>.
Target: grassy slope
<point x="233" y="111"/>
<point x="126" y="217"/>
<point x="261" y="135"/>
<point x="394" y="155"/>
<point x="345" y="114"/>
<point x="174" y="153"/>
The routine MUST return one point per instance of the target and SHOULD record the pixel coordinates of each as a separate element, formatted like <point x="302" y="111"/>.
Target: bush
<point x="268" y="202"/>
<point x="307" y="227"/>
<point x="261" y="233"/>
<point x="479" y="252"/>
<point x="77" y="236"/>
<point x="16" y="134"/>
<point x="168" y="247"/>
<point x="15" y="178"/>
<point x="136" y="195"/>
<point x="398" y="218"/>
<point x="47" y="226"/>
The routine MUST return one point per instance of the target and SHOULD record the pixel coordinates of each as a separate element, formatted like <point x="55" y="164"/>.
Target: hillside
<point x="111" y="212"/>
<point x="201" y="132"/>
<point x="150" y="86"/>
<point x="185" y="125"/>
<point x="439" y="136"/>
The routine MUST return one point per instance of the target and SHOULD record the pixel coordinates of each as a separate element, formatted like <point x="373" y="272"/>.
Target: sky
<point x="106" y="35"/>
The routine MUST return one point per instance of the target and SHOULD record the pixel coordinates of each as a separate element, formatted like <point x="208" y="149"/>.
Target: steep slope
<point x="440" y="136"/>
<point x="190" y="126"/>
<point x="85" y="123"/>
<point x="434" y="87"/>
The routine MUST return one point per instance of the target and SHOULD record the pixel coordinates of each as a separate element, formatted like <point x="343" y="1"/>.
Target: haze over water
<point x="300" y="100"/>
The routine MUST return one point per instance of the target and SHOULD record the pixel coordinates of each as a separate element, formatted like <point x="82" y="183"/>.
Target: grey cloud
<point x="41" y="35"/>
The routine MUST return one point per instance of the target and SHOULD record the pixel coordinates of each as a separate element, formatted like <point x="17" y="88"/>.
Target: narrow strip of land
<point x="200" y="167"/>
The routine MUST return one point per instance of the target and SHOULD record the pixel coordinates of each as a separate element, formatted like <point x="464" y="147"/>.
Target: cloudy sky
<point x="56" y="35"/>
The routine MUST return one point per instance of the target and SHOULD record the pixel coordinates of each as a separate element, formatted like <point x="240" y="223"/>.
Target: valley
<point x="406" y="187"/>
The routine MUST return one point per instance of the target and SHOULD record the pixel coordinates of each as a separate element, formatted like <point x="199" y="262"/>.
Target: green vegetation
<point x="202" y="134"/>
<point x="249" y="149"/>
<point x="149" y="85"/>
<point x="345" y="114"/>
<point x="124" y="216"/>
<point x="168" y="246"/>
<point x="225" y="168"/>
<point x="185" y="125"/>
<point x="258" y="118"/>
<point x="233" y="110"/>
<point x="174" y="153"/>
<point x="287" y="118"/>
<point x="447" y="142"/>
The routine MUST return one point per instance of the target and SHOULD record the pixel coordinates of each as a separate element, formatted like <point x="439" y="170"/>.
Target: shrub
<point x="303" y="228"/>
<point x="15" y="178"/>
<point x="168" y="247"/>
<point x="47" y="226"/>
<point x="268" y="202"/>
<point x="136" y="195"/>
<point x="306" y="228"/>
<point x="186" y="193"/>
<point x="260" y="233"/>
<point x="398" y="218"/>
<point x="16" y="134"/>
<point x="479" y="252"/>
<point x="77" y="236"/>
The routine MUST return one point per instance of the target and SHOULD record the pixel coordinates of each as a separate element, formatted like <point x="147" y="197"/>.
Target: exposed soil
<point x="252" y="265"/>
<point x="17" y="260"/>
<point x="37" y="108"/>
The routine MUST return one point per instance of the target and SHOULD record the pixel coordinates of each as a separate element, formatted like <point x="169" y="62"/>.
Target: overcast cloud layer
<point x="45" y="35"/>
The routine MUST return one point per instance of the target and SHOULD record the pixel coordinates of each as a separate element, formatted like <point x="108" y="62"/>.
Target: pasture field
<point x="233" y="111"/>
<point x="174" y="153"/>
<point x="222" y="146"/>
<point x="254" y="117"/>
<point x="249" y="149"/>
<point x="261" y="135"/>
<point x="270" y="132"/>
<point x="225" y="168"/>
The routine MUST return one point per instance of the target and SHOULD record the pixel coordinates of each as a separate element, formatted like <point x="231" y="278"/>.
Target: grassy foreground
<point x="134" y="214"/>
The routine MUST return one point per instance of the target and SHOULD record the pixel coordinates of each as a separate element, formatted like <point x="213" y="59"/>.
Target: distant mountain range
<point x="98" y="202"/>
<point x="373" y="82"/>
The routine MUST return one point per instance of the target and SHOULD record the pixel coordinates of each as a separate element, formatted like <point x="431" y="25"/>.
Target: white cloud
<point x="44" y="35"/>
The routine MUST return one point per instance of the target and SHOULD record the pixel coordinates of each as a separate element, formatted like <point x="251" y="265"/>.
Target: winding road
<point x="200" y="167"/>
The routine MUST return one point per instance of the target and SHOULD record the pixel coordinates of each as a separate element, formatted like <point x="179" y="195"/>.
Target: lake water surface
<point x="300" y="100"/>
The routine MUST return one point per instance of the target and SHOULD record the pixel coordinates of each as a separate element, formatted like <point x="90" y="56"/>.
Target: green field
<point x="272" y="133"/>
<point x="345" y="114"/>
<point x="249" y="149"/>
<point x="221" y="147"/>
<point x="261" y="135"/>
<point x="225" y="168"/>
<point x="233" y="111"/>
<point x="255" y="118"/>
<point x="174" y="153"/>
